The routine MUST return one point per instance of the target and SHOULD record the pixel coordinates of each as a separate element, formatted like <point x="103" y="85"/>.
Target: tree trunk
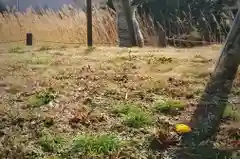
<point x="206" y="118"/>
<point x="126" y="7"/>
<point x="136" y="28"/>
<point x="129" y="33"/>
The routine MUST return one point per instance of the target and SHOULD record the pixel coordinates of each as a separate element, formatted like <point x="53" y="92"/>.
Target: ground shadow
<point x="203" y="152"/>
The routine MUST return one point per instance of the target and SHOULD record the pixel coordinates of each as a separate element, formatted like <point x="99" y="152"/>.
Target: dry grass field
<point x="72" y="102"/>
<point x="69" y="101"/>
<point x="69" y="27"/>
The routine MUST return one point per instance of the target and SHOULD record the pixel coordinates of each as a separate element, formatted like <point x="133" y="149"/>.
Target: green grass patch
<point x="17" y="49"/>
<point x="90" y="145"/>
<point x="89" y="50"/>
<point x="44" y="48"/>
<point x="41" y="98"/>
<point x="159" y="60"/>
<point x="236" y="91"/>
<point x="95" y="145"/>
<point x="50" y="142"/>
<point x="133" y="116"/>
<point x="40" y="61"/>
<point x="169" y="106"/>
<point x="231" y="113"/>
<point x="200" y="59"/>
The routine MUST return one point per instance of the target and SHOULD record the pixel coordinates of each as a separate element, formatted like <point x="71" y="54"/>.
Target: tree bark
<point x="207" y="116"/>
<point x="128" y="16"/>
<point x="129" y="33"/>
<point x="136" y="28"/>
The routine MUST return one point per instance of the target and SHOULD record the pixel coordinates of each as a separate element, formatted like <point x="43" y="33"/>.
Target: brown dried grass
<point x="61" y="26"/>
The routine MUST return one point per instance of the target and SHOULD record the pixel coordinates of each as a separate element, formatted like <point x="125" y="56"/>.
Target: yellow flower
<point x="182" y="128"/>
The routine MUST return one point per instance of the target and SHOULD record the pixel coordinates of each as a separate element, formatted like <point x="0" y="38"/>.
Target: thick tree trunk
<point x="127" y="10"/>
<point x="136" y="28"/>
<point x="129" y="33"/>
<point x="207" y="117"/>
<point x="124" y="38"/>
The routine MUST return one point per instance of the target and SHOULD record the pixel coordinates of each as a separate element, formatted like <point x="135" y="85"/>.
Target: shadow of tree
<point x="203" y="152"/>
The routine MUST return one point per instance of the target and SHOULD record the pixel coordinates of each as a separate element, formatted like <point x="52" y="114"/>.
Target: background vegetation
<point x="195" y="19"/>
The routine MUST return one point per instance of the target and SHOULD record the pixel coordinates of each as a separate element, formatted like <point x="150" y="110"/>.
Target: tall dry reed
<point x="62" y="26"/>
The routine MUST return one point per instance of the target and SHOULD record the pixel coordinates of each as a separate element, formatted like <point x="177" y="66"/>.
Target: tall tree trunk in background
<point x="129" y="33"/>
<point x="136" y="28"/>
